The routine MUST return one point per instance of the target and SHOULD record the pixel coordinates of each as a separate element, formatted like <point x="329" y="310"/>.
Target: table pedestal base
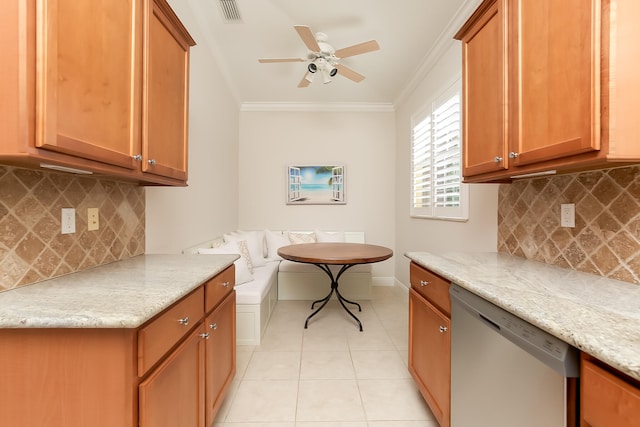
<point x="334" y="289"/>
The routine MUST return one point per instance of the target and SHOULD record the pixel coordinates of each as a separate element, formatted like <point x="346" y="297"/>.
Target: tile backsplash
<point x="606" y="237"/>
<point x="32" y="248"/>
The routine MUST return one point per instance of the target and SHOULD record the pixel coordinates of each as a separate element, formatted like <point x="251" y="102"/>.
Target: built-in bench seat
<point x="262" y="277"/>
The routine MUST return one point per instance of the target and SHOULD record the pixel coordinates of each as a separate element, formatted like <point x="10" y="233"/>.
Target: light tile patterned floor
<point x="331" y="374"/>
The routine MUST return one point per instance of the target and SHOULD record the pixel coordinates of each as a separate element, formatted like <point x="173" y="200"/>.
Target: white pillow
<point x="297" y="237"/>
<point x="275" y="240"/>
<point x="329" y="236"/>
<point x="244" y="269"/>
<point x="255" y="244"/>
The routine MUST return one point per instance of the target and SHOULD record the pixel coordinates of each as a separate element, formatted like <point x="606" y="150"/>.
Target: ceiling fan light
<point x="326" y="77"/>
<point x="312" y="68"/>
<point x="333" y="71"/>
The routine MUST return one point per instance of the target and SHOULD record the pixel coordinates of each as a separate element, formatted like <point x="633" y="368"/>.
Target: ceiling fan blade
<point x="269" y="60"/>
<point x="358" y="49"/>
<point x="349" y="73"/>
<point x="307" y="37"/>
<point x="304" y="82"/>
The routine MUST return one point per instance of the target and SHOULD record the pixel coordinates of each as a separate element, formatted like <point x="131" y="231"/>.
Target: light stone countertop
<point x="123" y="294"/>
<point x="597" y="315"/>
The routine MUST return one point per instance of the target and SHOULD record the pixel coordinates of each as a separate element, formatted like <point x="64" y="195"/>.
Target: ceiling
<point x="410" y="34"/>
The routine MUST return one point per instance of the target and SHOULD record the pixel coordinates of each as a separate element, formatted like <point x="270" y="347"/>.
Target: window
<point x="436" y="166"/>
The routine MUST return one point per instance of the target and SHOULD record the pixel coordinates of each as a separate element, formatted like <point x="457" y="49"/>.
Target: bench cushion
<point x="253" y="292"/>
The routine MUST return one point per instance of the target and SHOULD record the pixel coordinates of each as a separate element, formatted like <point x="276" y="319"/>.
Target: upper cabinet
<point x="548" y="88"/>
<point x="97" y="86"/>
<point x="165" y="95"/>
<point x="484" y="91"/>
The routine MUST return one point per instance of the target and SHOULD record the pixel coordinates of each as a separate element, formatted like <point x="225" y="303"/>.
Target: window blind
<point x="437" y="189"/>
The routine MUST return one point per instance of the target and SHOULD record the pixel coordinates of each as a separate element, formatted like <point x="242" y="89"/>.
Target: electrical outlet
<point x="568" y="215"/>
<point x="68" y="221"/>
<point x="93" y="219"/>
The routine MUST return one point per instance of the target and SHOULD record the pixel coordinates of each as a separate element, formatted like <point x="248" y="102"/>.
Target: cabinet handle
<point x="443" y="329"/>
<point x="513" y="155"/>
<point x="226" y="284"/>
<point x="184" y="320"/>
<point x="151" y="161"/>
<point x="424" y="282"/>
<point x="137" y="157"/>
<point x="213" y="325"/>
<point x="497" y="159"/>
<point x="205" y="335"/>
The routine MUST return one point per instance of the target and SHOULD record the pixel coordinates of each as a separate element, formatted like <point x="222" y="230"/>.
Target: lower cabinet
<point x="608" y="398"/>
<point x="173" y="394"/>
<point x="430" y="341"/>
<point x="220" y="358"/>
<point x="173" y="371"/>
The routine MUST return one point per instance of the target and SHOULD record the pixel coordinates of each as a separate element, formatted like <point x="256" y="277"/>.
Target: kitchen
<point x="177" y="217"/>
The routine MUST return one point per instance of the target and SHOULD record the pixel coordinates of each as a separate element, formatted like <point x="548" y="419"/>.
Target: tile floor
<point x="330" y="374"/>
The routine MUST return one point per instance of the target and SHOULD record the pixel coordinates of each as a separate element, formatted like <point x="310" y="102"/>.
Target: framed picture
<point x="316" y="185"/>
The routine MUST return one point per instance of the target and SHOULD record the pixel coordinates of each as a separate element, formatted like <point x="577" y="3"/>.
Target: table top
<point x="335" y="253"/>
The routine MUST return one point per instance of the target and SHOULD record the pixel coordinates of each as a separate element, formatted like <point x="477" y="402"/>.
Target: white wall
<point x="363" y="141"/>
<point x="180" y="217"/>
<point x="480" y="232"/>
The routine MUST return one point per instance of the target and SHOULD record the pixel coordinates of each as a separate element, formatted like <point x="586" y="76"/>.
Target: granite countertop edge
<point x="597" y="315"/>
<point x="122" y="294"/>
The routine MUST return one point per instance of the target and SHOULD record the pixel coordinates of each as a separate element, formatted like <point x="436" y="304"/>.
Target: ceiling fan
<point x="324" y="58"/>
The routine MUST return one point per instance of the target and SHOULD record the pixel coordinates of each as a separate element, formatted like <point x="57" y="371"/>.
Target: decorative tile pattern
<point x="606" y="238"/>
<point x="31" y="246"/>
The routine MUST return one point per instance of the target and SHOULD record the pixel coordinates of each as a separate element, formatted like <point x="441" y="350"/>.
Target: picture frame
<point x="316" y="184"/>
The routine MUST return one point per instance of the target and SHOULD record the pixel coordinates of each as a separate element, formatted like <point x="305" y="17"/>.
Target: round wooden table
<point x="346" y="255"/>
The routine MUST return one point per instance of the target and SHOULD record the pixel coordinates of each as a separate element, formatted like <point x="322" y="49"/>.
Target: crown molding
<point x="366" y="107"/>
<point x="443" y="43"/>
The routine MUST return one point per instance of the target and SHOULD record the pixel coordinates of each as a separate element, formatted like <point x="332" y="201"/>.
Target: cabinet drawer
<point x="155" y="339"/>
<point x="217" y="288"/>
<point x="608" y="400"/>
<point x="432" y="287"/>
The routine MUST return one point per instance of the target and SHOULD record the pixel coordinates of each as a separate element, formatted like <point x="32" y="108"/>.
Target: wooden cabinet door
<point x="88" y="87"/>
<point x="173" y="395"/>
<point x="554" y="63"/>
<point x="166" y="87"/>
<point x="484" y="120"/>
<point x="430" y="355"/>
<point x="220" y="354"/>
<point x="606" y="399"/>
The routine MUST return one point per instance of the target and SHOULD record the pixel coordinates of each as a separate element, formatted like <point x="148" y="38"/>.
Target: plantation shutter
<point x="437" y="189"/>
<point x="422" y="197"/>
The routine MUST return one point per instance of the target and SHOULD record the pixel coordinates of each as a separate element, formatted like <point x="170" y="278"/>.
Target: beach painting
<point x="316" y="185"/>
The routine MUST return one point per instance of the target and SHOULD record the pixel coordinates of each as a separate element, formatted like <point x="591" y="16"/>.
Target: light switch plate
<point x="568" y="215"/>
<point x="68" y="221"/>
<point x="93" y="219"/>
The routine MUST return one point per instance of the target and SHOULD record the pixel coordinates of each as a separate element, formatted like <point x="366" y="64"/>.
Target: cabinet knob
<point x="137" y="157"/>
<point x="443" y="329"/>
<point x="497" y="159"/>
<point x="226" y="284"/>
<point x="424" y="282"/>
<point x="213" y="325"/>
<point x="205" y="335"/>
<point x="184" y="320"/>
<point x="151" y="161"/>
<point x="513" y="155"/>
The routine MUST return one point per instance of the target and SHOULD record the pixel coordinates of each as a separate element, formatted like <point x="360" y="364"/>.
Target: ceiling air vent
<point x="230" y="11"/>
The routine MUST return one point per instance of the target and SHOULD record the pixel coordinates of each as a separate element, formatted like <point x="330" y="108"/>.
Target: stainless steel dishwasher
<point x="506" y="372"/>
